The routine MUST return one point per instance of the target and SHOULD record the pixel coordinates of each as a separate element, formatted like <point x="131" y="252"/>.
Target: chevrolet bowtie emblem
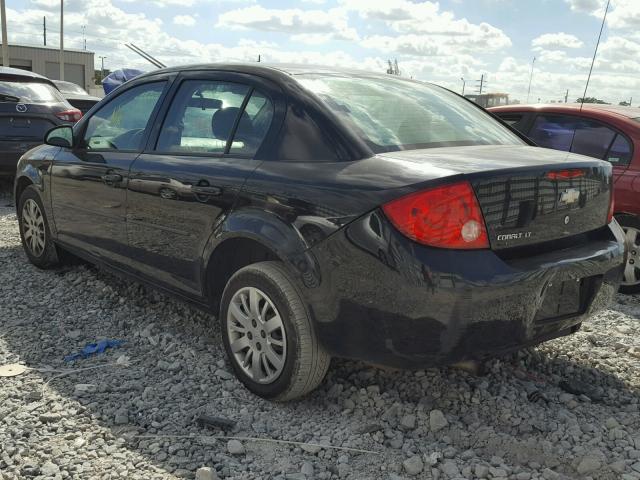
<point x="569" y="196"/>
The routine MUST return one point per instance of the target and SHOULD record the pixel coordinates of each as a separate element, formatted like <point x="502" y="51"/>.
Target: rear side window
<point x="620" y="152"/>
<point x="205" y="114"/>
<point x="581" y="135"/>
<point x="121" y="123"/>
<point x="28" y="92"/>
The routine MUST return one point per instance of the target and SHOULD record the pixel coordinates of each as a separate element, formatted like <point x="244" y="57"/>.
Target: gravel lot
<point x="131" y="412"/>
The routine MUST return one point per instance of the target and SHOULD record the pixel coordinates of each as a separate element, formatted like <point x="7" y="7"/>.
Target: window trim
<point x="82" y="130"/>
<point x="614" y="129"/>
<point x="151" y="147"/>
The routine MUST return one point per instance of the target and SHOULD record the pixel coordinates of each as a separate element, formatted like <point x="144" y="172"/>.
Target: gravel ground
<point x="130" y="413"/>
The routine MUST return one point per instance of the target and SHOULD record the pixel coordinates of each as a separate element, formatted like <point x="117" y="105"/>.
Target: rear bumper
<point x="387" y="300"/>
<point x="10" y="153"/>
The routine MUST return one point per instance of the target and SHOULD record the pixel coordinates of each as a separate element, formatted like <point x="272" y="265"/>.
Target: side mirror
<point x="61" y="136"/>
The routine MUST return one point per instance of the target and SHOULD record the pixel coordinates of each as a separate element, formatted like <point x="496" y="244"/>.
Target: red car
<point x="606" y="132"/>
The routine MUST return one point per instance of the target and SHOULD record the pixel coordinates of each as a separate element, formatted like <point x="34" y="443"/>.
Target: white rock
<point x="588" y="465"/>
<point x="235" y="447"/>
<point x="408" y="422"/>
<point x="413" y="465"/>
<point x="437" y="420"/>
<point x="206" y="473"/>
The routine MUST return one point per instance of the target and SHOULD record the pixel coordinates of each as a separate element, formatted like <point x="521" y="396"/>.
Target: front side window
<point x="206" y="113"/>
<point x="28" y="92"/>
<point x="581" y="135"/>
<point x="121" y="123"/>
<point x="392" y="114"/>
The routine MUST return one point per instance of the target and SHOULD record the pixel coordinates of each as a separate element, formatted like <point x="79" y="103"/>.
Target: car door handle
<point x="111" y="178"/>
<point x="198" y="190"/>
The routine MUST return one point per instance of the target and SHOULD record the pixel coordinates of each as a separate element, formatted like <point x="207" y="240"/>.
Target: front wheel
<point x="268" y="334"/>
<point x="631" y="226"/>
<point x="34" y="230"/>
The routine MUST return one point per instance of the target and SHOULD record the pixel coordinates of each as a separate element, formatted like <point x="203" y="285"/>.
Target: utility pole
<point x="84" y="39"/>
<point x="5" y="45"/>
<point x="481" y="83"/>
<point x="44" y="30"/>
<point x="531" y="78"/>
<point x="566" y="97"/>
<point x="630" y="101"/>
<point x="463" y="85"/>
<point x="102" y="65"/>
<point x="258" y="58"/>
<point x="61" y="40"/>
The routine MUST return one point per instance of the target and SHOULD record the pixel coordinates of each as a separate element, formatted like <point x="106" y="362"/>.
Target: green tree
<point x="592" y="100"/>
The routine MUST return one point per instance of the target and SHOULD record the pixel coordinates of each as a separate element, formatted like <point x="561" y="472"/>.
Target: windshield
<point x="29" y="92"/>
<point x="392" y="114"/>
<point x="68" y="87"/>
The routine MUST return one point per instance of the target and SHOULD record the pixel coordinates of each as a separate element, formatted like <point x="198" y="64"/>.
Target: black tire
<point x="48" y="257"/>
<point x="306" y="362"/>
<point x="626" y="222"/>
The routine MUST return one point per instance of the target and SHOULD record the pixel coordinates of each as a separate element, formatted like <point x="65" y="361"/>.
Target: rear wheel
<point x="268" y="334"/>
<point x="631" y="226"/>
<point x="34" y="230"/>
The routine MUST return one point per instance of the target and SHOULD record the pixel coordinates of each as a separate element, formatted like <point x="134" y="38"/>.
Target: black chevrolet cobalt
<point x="326" y="213"/>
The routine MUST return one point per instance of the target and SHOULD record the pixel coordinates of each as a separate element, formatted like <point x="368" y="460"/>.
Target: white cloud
<point x="557" y="40"/>
<point x="332" y="23"/>
<point x="184" y="20"/>
<point x="587" y="6"/>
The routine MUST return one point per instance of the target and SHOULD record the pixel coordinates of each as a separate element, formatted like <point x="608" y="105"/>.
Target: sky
<point x="440" y="42"/>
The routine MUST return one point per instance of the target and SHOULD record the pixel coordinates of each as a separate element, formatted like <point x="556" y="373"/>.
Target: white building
<point x="78" y="64"/>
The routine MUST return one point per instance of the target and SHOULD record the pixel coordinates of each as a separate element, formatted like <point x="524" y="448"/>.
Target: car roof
<point x="628" y="112"/>
<point x="18" y="72"/>
<point x="272" y="71"/>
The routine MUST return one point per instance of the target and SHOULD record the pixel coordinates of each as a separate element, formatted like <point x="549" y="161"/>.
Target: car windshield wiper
<point x="5" y="97"/>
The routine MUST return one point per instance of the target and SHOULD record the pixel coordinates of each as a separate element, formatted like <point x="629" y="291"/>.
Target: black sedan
<point x="324" y="213"/>
<point x="30" y="105"/>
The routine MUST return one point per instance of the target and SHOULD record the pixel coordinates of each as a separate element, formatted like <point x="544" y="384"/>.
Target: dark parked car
<point x="76" y="95"/>
<point x="606" y="132"/>
<point x="30" y="105"/>
<point x="327" y="213"/>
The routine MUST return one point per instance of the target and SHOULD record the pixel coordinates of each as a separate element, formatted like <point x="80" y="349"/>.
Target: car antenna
<point x="593" y="61"/>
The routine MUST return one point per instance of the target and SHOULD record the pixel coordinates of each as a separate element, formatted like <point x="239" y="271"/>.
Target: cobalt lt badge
<point x="21" y="107"/>
<point x="566" y="220"/>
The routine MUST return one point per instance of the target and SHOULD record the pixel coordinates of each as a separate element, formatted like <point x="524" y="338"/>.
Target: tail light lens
<point x="445" y="217"/>
<point x="611" y="208"/>
<point x="72" y="115"/>
<point x="565" y="174"/>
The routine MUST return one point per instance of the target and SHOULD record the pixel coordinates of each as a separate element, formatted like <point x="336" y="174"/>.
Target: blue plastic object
<point x="93" y="349"/>
<point x="118" y="77"/>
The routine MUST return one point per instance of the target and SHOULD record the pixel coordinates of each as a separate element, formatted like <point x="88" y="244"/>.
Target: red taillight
<point x="565" y="174"/>
<point x="445" y="217"/>
<point x="72" y="115"/>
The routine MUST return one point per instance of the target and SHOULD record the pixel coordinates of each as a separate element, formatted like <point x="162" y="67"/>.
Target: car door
<point x="191" y="173"/>
<point x="88" y="182"/>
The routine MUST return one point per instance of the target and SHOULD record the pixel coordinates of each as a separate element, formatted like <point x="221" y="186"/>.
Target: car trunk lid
<point x="24" y="121"/>
<point x="538" y="206"/>
<point x="525" y="193"/>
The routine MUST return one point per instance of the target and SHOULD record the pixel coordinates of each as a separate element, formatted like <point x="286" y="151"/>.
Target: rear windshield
<point x="29" y="92"/>
<point x="68" y="87"/>
<point x="393" y="114"/>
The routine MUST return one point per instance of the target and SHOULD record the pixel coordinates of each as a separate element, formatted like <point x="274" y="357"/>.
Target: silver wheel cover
<point x="632" y="268"/>
<point x="33" y="228"/>
<point x="256" y="335"/>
